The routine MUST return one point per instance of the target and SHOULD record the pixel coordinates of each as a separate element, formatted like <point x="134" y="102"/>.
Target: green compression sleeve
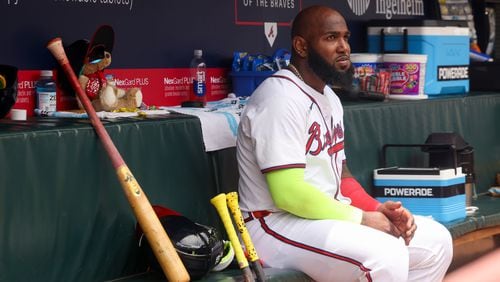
<point x="291" y="193"/>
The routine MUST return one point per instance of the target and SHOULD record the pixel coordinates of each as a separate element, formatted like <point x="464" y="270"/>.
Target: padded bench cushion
<point x="487" y="219"/>
<point x="228" y="275"/>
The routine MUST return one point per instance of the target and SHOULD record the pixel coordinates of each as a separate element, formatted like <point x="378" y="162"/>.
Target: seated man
<point x="305" y="210"/>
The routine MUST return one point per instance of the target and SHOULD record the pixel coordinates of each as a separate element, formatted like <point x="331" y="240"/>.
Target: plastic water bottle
<point x="198" y="96"/>
<point x="45" y="89"/>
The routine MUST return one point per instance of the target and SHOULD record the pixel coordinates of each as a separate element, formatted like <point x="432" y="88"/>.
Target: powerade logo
<point x="453" y="73"/>
<point x="419" y="191"/>
<point x="408" y="192"/>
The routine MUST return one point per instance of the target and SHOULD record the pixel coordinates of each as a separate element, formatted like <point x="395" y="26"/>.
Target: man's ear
<point x="299" y="44"/>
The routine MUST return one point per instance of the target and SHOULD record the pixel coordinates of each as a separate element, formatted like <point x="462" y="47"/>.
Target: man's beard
<point x="329" y="73"/>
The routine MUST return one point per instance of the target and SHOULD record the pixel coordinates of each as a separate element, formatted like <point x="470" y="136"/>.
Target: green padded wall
<point x="62" y="211"/>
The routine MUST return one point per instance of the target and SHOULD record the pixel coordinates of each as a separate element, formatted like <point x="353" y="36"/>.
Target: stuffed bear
<point x="105" y="95"/>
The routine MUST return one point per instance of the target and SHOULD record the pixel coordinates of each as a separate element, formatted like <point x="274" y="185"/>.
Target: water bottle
<point x="45" y="89"/>
<point x="198" y="68"/>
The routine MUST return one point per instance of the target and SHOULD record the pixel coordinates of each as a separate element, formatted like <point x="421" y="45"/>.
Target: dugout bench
<point x="64" y="217"/>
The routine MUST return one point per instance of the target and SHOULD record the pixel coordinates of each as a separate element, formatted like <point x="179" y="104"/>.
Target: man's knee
<point x="393" y="265"/>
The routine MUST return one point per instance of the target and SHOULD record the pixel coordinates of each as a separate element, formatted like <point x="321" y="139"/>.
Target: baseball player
<point x="304" y="209"/>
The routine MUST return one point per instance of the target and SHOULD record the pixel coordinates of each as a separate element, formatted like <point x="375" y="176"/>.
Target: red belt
<point x="256" y="214"/>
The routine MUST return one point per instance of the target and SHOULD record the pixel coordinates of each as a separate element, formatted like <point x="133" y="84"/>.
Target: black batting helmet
<point x="200" y="247"/>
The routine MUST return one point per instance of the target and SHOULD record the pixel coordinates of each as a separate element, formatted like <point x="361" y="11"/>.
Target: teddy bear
<point x="103" y="94"/>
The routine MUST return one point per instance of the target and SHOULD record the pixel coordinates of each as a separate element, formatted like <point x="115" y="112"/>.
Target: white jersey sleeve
<point x="276" y="122"/>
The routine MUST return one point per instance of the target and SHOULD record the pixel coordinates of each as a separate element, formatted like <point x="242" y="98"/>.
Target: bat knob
<point x="55" y="47"/>
<point x="219" y="200"/>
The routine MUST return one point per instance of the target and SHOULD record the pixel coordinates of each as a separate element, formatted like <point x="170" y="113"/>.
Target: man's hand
<point x="379" y="221"/>
<point x="401" y="218"/>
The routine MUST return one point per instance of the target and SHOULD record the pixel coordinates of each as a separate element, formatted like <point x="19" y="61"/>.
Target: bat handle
<point x="232" y="203"/>
<point x="220" y="204"/>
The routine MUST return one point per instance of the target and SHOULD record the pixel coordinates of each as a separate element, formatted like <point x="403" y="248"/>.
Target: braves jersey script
<point x="288" y="124"/>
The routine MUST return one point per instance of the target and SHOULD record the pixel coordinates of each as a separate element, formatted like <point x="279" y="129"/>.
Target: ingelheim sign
<point x="388" y="8"/>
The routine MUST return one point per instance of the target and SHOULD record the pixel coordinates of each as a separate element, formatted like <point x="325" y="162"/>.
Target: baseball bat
<point x="161" y="245"/>
<point x="232" y="203"/>
<point x="220" y="204"/>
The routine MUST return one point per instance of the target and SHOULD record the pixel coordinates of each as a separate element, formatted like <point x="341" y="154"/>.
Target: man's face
<point x="329" y="51"/>
<point x="330" y="73"/>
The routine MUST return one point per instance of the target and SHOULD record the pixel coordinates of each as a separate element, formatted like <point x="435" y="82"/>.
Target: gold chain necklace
<point x="295" y="71"/>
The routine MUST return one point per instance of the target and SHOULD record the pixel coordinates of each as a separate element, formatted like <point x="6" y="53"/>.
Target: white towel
<point x="101" y="115"/>
<point x="219" y="121"/>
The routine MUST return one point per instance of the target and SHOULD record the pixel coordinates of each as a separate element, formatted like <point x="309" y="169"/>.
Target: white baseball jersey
<point x="287" y="124"/>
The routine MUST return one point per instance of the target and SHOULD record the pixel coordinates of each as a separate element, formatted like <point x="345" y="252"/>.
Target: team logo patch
<point x="271" y="32"/>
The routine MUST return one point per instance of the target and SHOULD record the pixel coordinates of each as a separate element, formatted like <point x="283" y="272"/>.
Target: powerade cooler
<point x="436" y="192"/>
<point x="446" y="44"/>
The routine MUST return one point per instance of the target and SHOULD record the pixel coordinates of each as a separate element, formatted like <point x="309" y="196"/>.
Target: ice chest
<point x="435" y="192"/>
<point x="446" y="47"/>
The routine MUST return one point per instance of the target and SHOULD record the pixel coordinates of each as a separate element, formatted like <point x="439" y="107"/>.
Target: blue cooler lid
<point x="417" y="23"/>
